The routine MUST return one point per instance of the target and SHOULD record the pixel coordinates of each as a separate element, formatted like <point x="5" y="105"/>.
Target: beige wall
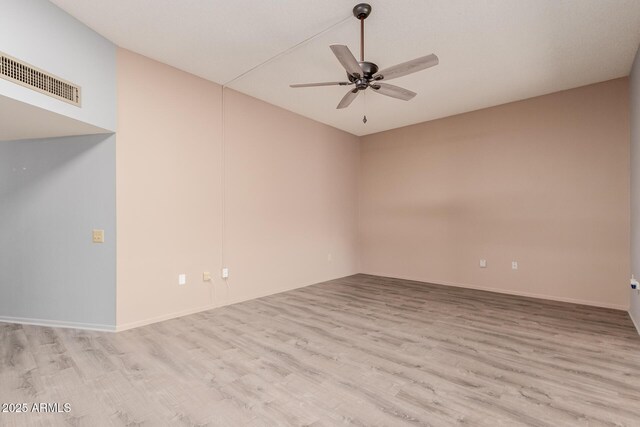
<point x="291" y="202"/>
<point x="544" y="182"/>
<point x="291" y="195"/>
<point x="168" y="191"/>
<point x="634" y="92"/>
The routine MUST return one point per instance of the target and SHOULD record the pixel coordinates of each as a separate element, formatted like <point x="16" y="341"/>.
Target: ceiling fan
<point x="365" y="74"/>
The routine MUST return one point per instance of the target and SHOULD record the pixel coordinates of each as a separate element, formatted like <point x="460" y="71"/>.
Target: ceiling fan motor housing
<point x="368" y="71"/>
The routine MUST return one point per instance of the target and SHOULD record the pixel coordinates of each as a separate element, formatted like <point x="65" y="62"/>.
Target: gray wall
<point x="635" y="186"/>
<point x="40" y="33"/>
<point x="53" y="192"/>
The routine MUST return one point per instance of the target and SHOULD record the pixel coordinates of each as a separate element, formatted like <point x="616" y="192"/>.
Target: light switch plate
<point x="98" y="236"/>
<point x="182" y="279"/>
<point x="206" y="276"/>
<point x="483" y="263"/>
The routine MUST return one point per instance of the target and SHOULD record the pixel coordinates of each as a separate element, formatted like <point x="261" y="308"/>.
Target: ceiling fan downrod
<point x="362" y="11"/>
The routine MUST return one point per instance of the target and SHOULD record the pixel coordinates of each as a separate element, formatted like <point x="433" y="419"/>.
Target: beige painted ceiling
<point x="491" y="51"/>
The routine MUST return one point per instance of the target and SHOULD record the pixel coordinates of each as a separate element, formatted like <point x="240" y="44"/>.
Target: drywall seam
<point x="284" y="52"/>
<point x="223" y="165"/>
<point x="634" y="179"/>
<point x="508" y="292"/>
<point x="58" y="324"/>
<point x="223" y="191"/>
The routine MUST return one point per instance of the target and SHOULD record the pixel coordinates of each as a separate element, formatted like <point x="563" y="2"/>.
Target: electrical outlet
<point x="97" y="236"/>
<point x="225" y="273"/>
<point x="483" y="263"/>
<point x="206" y="276"/>
<point x="514" y="265"/>
<point x="182" y="279"/>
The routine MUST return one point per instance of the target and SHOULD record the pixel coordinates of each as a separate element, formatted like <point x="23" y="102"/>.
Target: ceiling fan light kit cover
<point x="363" y="75"/>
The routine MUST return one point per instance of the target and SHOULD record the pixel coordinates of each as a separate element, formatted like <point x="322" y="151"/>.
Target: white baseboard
<point x="510" y="292"/>
<point x="227" y="302"/>
<point x="58" y="324"/>
<point x="263" y="294"/>
<point x="635" y="323"/>
<point x="224" y="303"/>
<point x="131" y="325"/>
<point x="174" y="315"/>
<point x="144" y="322"/>
<point x="161" y="318"/>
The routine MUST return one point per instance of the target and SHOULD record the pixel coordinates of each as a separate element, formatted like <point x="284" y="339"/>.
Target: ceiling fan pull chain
<point x="364" y="108"/>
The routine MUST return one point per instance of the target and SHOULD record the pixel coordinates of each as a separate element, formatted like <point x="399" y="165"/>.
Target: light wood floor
<point x="361" y="350"/>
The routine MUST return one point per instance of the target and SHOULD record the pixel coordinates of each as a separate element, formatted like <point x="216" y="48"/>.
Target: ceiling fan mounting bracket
<point x="362" y="10"/>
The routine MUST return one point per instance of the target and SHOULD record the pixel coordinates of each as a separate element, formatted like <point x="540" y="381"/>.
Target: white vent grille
<point x="24" y="74"/>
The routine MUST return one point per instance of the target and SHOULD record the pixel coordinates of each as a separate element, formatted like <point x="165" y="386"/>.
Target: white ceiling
<point x="491" y="51"/>
<point x="20" y="120"/>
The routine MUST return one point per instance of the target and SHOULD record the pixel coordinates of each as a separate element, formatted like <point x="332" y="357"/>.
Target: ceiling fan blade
<point x="321" y="84"/>
<point x="393" y="91"/>
<point x="348" y="98"/>
<point x="408" y="67"/>
<point x="347" y="59"/>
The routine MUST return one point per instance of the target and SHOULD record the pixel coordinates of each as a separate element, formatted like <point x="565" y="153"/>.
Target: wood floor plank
<point x="361" y="350"/>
